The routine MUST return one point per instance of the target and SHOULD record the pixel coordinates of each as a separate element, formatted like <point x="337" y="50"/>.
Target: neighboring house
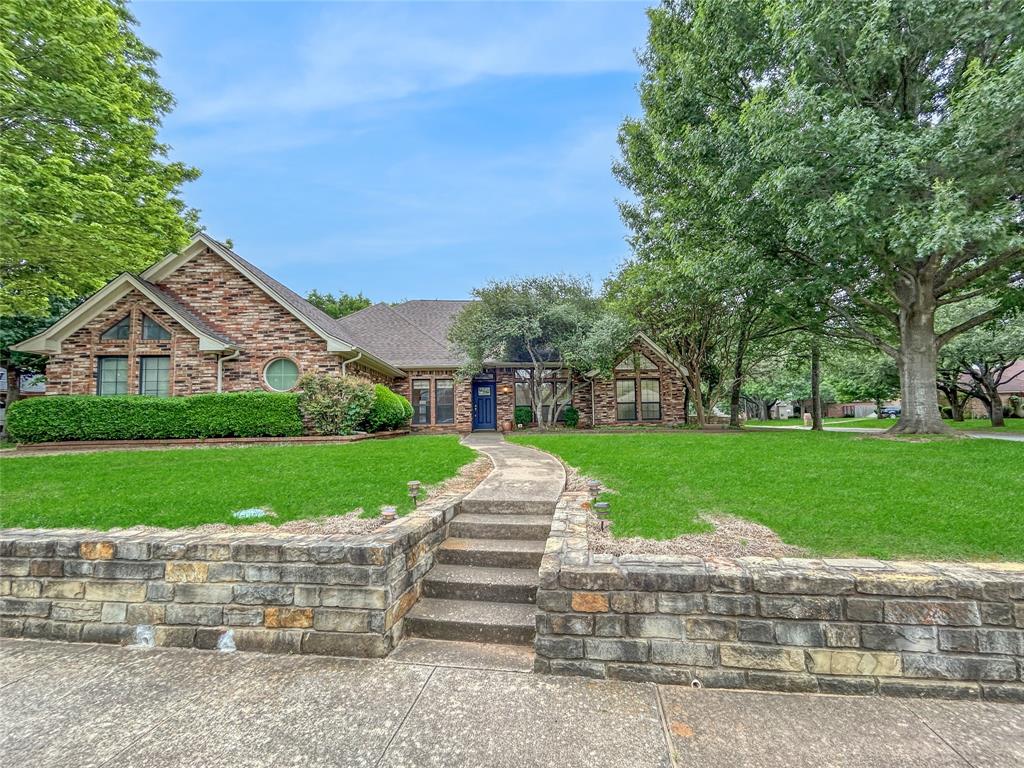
<point x="1012" y="385"/>
<point x="206" y="320"/>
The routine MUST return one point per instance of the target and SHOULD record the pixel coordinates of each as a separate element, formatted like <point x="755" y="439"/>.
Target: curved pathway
<point x="524" y="480"/>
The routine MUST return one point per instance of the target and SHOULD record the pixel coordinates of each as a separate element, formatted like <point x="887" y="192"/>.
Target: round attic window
<point x="281" y="374"/>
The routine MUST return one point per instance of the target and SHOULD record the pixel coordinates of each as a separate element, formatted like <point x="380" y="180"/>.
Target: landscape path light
<point x="388" y="514"/>
<point x="594" y="488"/>
<point x="414" y="490"/>
<point x="601" y="510"/>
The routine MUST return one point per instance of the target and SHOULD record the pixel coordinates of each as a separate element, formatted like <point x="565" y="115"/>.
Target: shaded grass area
<point x="186" y="487"/>
<point x="984" y="425"/>
<point x="833" y="493"/>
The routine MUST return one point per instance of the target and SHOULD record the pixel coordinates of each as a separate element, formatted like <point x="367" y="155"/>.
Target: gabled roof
<point x="311" y="316"/>
<point x="48" y="342"/>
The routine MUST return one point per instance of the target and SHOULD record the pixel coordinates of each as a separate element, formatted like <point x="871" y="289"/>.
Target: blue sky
<point x="403" y="150"/>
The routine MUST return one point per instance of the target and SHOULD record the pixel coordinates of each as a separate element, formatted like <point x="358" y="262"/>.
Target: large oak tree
<point x="872" y="152"/>
<point x="86" y="188"/>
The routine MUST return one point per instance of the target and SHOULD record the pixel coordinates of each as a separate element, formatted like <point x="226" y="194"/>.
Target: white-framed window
<point x="281" y="374"/>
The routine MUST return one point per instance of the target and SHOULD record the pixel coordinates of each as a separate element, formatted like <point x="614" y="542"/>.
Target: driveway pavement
<point x="87" y="705"/>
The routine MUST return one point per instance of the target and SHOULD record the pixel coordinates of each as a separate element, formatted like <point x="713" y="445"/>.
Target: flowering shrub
<point x="335" y="405"/>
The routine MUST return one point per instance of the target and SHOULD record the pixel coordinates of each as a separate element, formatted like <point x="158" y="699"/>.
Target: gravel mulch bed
<point x="732" y="537"/>
<point x="468" y="478"/>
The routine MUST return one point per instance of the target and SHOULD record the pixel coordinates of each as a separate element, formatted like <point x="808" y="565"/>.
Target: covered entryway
<point x="485" y="412"/>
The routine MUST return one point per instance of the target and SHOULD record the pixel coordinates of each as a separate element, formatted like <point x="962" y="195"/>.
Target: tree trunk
<point x="697" y="398"/>
<point x="956" y="410"/>
<point x="816" y="421"/>
<point x="878" y="408"/>
<point x="917" y="362"/>
<point x="13" y="394"/>
<point x="686" y="402"/>
<point x="995" y="406"/>
<point x="737" y="382"/>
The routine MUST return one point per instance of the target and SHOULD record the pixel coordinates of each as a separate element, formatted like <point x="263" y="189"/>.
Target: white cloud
<point x="360" y="55"/>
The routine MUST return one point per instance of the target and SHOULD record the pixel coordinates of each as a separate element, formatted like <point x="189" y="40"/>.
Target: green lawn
<point x="833" y="493"/>
<point x="984" y="425"/>
<point x="184" y="487"/>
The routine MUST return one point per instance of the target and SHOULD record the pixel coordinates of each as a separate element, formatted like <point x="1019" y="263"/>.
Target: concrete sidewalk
<point x="87" y="705"/>
<point x="523" y="480"/>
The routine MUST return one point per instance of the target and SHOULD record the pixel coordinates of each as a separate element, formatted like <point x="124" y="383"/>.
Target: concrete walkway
<point x="87" y="705"/>
<point x="523" y="480"/>
<point x="1015" y="437"/>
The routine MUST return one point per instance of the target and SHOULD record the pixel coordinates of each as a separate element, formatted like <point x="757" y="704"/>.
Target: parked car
<point x="891" y="411"/>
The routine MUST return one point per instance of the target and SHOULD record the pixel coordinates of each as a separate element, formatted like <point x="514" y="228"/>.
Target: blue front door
<point x="484" y="410"/>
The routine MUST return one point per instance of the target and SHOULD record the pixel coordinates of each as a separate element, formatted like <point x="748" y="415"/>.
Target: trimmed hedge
<point x="389" y="410"/>
<point x="523" y="415"/>
<point x="137" y="417"/>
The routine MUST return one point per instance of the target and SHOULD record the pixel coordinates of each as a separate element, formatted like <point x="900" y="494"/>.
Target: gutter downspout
<point x="344" y="363"/>
<point x="593" y="404"/>
<point x="221" y="359"/>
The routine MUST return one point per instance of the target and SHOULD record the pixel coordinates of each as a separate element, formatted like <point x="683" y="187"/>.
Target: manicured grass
<point x="185" y="487"/>
<point x="834" y="493"/>
<point x="984" y="425"/>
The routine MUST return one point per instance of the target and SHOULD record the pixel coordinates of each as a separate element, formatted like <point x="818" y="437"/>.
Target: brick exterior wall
<point x="278" y="593"/>
<point x="463" y="394"/>
<point x="672" y="392"/>
<point x="266" y="331"/>
<point x="848" y="626"/>
<point x="231" y="304"/>
<point x="73" y="371"/>
<point x="263" y="328"/>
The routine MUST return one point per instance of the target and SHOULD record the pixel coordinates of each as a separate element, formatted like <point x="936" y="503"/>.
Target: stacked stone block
<point x="284" y="593"/>
<point x="832" y="625"/>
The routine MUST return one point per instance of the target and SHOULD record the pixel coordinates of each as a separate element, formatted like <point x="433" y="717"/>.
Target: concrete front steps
<point x="483" y="586"/>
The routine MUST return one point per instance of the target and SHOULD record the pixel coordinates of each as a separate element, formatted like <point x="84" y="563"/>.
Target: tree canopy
<point x="340" y="305"/>
<point x="550" y="325"/>
<point x="870" y="153"/>
<point x="86" y="188"/>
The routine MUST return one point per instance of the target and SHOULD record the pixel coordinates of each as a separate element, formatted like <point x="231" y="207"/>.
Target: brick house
<point x="206" y="320"/>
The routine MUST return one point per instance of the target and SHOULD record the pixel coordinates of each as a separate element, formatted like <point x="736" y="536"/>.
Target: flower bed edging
<point x="283" y="593"/>
<point x="187" y="442"/>
<point x="850" y="626"/>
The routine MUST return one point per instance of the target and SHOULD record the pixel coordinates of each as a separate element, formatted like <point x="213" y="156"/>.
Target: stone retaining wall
<point x="834" y="625"/>
<point x="282" y="593"/>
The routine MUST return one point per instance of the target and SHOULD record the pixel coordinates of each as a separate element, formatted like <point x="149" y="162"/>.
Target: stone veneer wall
<point x="833" y="625"/>
<point x="281" y="593"/>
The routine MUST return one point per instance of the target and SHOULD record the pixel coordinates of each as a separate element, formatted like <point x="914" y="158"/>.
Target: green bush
<point x="136" y="417"/>
<point x="336" y="405"/>
<point x="523" y="415"/>
<point x="389" y="410"/>
<point x="571" y="416"/>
